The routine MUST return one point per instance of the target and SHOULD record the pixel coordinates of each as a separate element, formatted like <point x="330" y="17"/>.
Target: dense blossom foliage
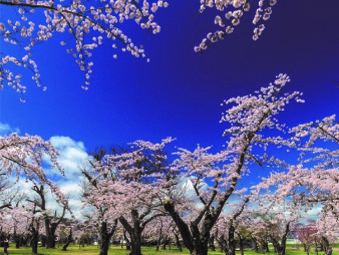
<point x="315" y="179"/>
<point x="25" y="156"/>
<point x="128" y="185"/>
<point x="88" y="23"/>
<point x="129" y="180"/>
<point x="29" y="157"/>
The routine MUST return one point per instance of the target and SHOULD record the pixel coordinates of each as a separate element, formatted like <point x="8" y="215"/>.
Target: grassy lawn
<point x="117" y="250"/>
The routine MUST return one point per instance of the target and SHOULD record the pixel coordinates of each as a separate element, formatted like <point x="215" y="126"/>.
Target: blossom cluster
<point x="89" y="24"/>
<point x="231" y="12"/>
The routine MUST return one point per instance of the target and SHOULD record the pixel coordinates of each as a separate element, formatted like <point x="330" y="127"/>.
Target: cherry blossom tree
<point x="227" y="226"/>
<point x="99" y="214"/>
<point x="214" y="177"/>
<point x="66" y="231"/>
<point x="88" y="24"/>
<point x="129" y="185"/>
<point x="20" y="222"/>
<point x="15" y="224"/>
<point x="29" y="157"/>
<point x="243" y="233"/>
<point x="51" y="220"/>
<point x="258" y="234"/>
<point x="10" y="198"/>
<point x="279" y="215"/>
<point x="314" y="181"/>
<point x="159" y="231"/>
<point x="85" y="232"/>
<point x="318" y="141"/>
<point x="69" y="232"/>
<point x="306" y="235"/>
<point x="34" y="226"/>
<point x="327" y="229"/>
<point x="26" y="157"/>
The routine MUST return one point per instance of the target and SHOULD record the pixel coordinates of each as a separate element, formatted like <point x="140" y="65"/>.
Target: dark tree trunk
<point x="327" y="246"/>
<point x="34" y="229"/>
<point x="128" y="243"/>
<point x="255" y="244"/>
<point x="50" y="242"/>
<point x="159" y="238"/>
<point x="230" y="250"/>
<point x="104" y="247"/>
<point x="241" y="243"/>
<point x="50" y="233"/>
<point x="17" y="240"/>
<point x="134" y="232"/>
<point x="43" y="241"/>
<point x="200" y="248"/>
<point x="25" y="239"/>
<point x="196" y="241"/>
<point x="200" y="238"/>
<point x="104" y="239"/>
<point x="105" y="236"/>
<point x="35" y="239"/>
<point x="265" y="243"/>
<point x="277" y="246"/>
<point x="136" y="243"/>
<point x="68" y="241"/>
<point x="262" y="248"/>
<point x="211" y="243"/>
<point x="222" y="243"/>
<point x="177" y="241"/>
<point x="280" y="248"/>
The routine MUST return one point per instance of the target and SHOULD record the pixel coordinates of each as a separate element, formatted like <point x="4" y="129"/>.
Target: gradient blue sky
<point x="179" y="92"/>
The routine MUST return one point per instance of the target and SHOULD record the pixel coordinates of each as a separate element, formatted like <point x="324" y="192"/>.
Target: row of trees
<point x="202" y="196"/>
<point x="251" y="230"/>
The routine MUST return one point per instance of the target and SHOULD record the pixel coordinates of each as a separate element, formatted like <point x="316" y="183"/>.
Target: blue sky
<point x="179" y="92"/>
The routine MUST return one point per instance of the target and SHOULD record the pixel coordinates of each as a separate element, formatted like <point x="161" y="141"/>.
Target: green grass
<point x="117" y="250"/>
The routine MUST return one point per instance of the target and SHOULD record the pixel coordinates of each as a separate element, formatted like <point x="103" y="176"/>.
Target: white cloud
<point x="70" y="188"/>
<point x="73" y="155"/>
<point x="65" y="141"/>
<point x="6" y="129"/>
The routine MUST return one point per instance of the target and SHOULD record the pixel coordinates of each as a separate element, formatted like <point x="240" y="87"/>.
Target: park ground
<point x="117" y="250"/>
